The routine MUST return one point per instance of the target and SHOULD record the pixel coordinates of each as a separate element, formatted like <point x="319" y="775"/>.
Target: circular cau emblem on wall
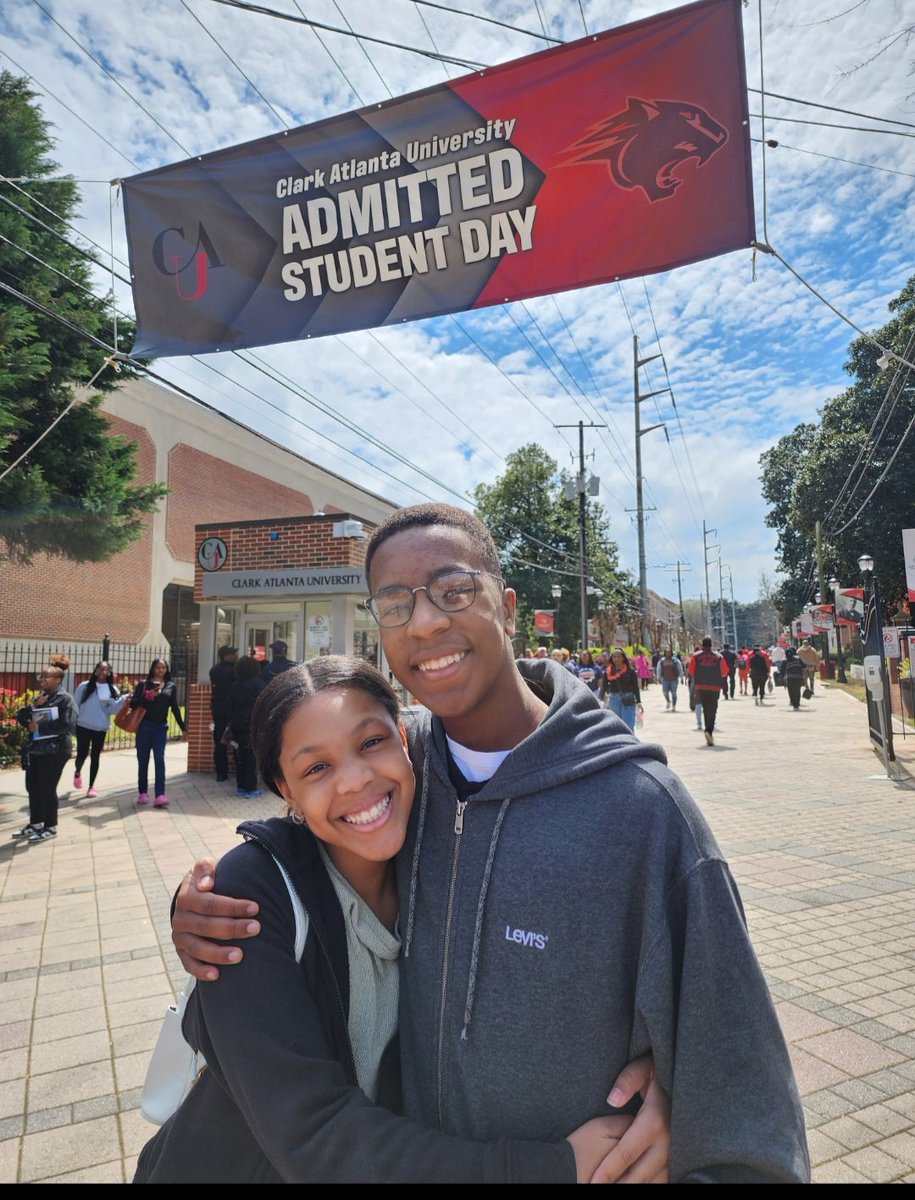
<point x="212" y="554"/>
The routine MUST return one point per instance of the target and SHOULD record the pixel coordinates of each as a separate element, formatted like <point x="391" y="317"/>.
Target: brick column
<point x="199" y="738"/>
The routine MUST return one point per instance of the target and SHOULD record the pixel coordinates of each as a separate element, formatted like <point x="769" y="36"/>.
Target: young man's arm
<point x="198" y="914"/>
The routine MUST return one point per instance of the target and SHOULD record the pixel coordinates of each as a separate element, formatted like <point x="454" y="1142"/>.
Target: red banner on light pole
<point x="544" y="620"/>
<point x="618" y="155"/>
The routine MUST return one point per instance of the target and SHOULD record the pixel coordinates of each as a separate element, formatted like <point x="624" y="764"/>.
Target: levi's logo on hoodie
<point x="526" y="937"/>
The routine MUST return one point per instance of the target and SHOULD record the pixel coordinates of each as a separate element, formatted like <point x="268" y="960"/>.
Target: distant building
<point x="217" y="471"/>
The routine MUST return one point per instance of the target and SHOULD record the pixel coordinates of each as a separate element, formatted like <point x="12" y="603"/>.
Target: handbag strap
<point x="301" y="932"/>
<point x="298" y="912"/>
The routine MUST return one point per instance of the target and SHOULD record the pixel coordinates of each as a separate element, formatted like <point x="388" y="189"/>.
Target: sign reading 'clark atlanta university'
<point x="295" y="581"/>
<point x="618" y="155"/>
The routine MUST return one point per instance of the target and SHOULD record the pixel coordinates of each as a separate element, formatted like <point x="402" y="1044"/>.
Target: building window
<point x="179" y="613"/>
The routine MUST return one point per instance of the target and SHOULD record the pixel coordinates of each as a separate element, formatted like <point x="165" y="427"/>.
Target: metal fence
<point x="20" y="662"/>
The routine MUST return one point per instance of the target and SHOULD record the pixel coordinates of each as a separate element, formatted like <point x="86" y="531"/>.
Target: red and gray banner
<point x="615" y="156"/>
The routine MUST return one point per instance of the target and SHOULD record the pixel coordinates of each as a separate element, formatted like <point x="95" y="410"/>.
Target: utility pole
<point x="721" y="602"/>
<point x="821" y="580"/>
<point x="733" y="609"/>
<point x="640" y="512"/>
<point x="709" y="625"/>
<point x="582" y="486"/>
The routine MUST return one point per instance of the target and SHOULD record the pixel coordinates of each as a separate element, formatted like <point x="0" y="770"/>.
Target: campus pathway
<point x="820" y="841"/>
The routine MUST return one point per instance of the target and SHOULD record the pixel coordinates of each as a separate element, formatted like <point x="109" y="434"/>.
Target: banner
<point x="614" y="156"/>
<point x="544" y="621"/>
<point x="849" y="606"/>
<point x="823" y="617"/>
<point x="908" y="552"/>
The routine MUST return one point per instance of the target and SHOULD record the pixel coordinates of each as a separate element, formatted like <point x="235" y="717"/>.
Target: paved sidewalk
<point x="819" y="840"/>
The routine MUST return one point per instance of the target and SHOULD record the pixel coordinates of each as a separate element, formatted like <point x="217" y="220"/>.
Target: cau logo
<point x="189" y="262"/>
<point x="644" y="145"/>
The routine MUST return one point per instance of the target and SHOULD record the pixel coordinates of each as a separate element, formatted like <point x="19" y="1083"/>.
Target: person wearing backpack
<point x="669" y="672"/>
<point x="743" y="668"/>
<point x="710" y="678"/>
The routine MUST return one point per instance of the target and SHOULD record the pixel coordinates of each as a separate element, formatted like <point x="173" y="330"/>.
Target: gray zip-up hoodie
<point x="574" y="913"/>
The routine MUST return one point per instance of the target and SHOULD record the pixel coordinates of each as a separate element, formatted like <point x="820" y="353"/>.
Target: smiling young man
<point x="564" y="905"/>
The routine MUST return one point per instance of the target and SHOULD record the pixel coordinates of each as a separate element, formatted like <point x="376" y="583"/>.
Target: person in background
<point x="248" y="685"/>
<point x="777" y="655"/>
<point x="730" y="657"/>
<point x="710" y="679"/>
<point x="222" y="676"/>
<point x="793" y="671"/>
<point x="49" y="719"/>
<point x="810" y="657"/>
<point x="620" y="688"/>
<point x="669" y="674"/>
<point x="760" y="669"/>
<point x="695" y="703"/>
<point x="97" y="700"/>
<point x="743" y="668"/>
<point x="279" y="662"/>
<point x="157" y="694"/>
<point x="589" y="672"/>
<point x="643" y="668"/>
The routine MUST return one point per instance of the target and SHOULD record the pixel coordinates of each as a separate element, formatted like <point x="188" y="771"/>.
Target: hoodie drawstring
<point x="478" y="928"/>
<point x="414" y="869"/>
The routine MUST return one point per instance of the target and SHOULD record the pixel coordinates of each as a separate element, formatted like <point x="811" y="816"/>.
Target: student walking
<point x="157" y="695"/>
<point x="760" y="669"/>
<point x="670" y="672"/>
<point x="793" y="672"/>
<point x="710" y="673"/>
<point x="743" y="669"/>
<point x="620" y="688"/>
<point x="49" y="719"/>
<point x="810" y="657"/>
<point x="97" y="700"/>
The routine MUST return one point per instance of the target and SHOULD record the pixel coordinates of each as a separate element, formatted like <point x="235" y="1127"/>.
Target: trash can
<point x="828" y="669"/>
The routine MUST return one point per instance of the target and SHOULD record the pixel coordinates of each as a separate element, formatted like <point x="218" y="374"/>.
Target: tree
<point x="537" y="532"/>
<point x="73" y="494"/>
<point x="851" y="472"/>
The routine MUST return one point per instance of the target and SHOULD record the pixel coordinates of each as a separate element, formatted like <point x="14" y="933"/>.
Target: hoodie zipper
<point x="455" y="855"/>
<point x="312" y="925"/>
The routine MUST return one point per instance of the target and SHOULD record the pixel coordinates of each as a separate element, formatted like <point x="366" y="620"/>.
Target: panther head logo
<point x="644" y="145"/>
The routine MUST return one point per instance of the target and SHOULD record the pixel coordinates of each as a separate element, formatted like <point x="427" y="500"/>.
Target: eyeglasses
<point x="450" y="592"/>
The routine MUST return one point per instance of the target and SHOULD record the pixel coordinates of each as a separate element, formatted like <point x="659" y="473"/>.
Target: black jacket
<point x="158" y="704"/>
<point x="277" y="1102"/>
<point x="222" y="676"/>
<point x="627" y="682"/>
<point x="240" y="704"/>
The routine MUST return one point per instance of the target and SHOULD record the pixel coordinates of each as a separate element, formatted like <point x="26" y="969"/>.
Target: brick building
<point x="268" y="503"/>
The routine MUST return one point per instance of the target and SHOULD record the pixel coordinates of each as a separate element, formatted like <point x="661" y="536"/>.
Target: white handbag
<point x="174" y="1064"/>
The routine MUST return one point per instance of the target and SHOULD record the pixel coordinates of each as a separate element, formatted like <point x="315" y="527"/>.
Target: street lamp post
<point x="840" y="658"/>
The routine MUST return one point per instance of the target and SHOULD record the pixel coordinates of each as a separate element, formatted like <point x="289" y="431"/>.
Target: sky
<point x="752" y="345"/>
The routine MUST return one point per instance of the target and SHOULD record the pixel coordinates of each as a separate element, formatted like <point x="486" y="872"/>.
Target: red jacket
<point x="708" y="671"/>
